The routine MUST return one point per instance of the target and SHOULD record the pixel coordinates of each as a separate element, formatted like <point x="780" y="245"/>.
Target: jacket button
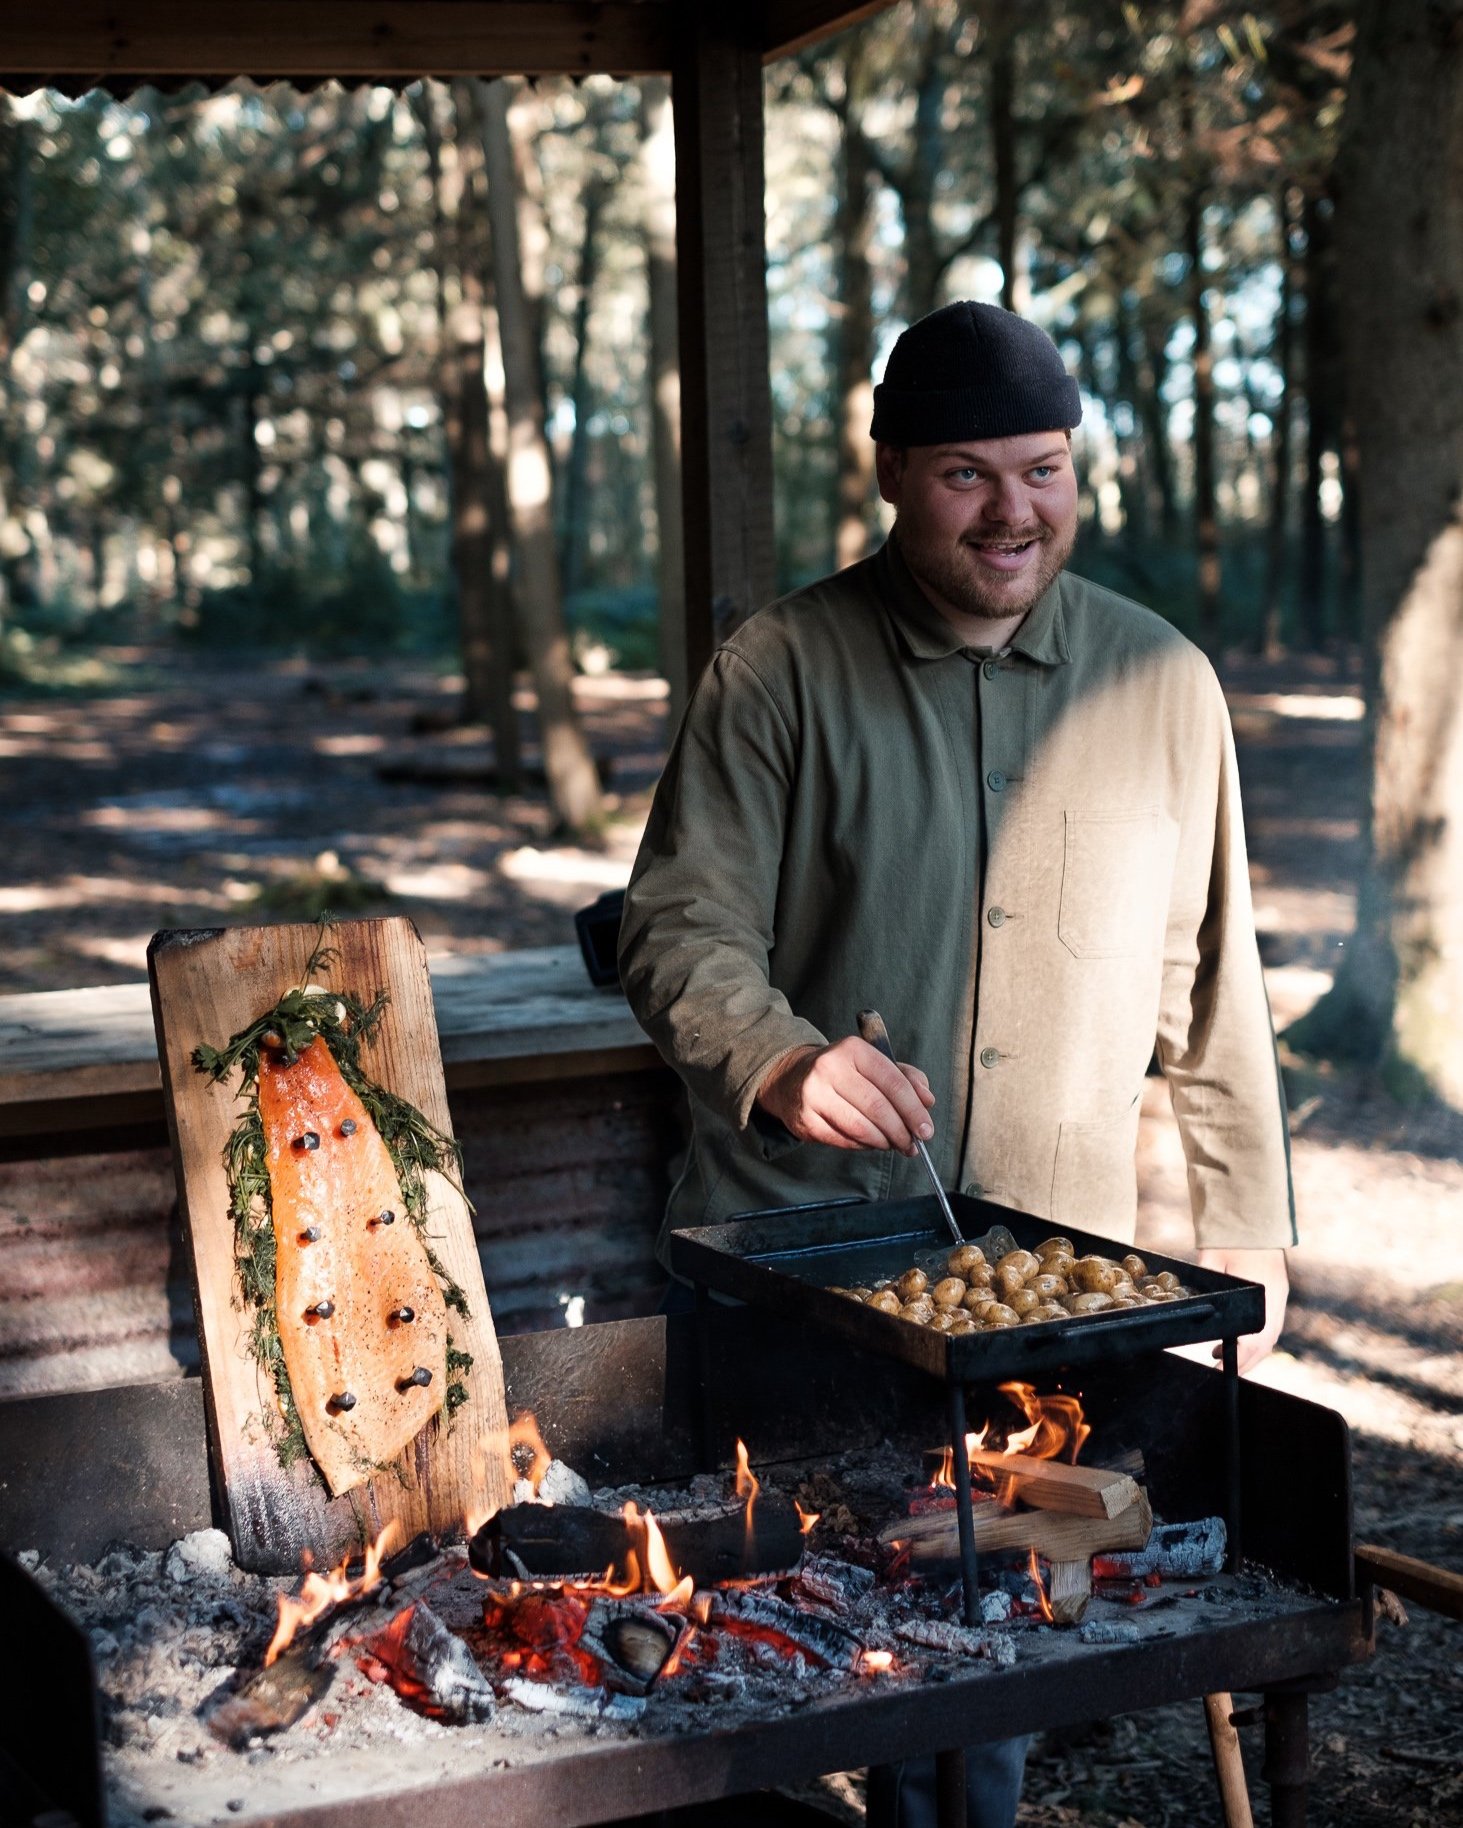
<point x="995" y="780"/>
<point x="997" y="917"/>
<point x="972" y="1190"/>
<point x="989" y="1056"/>
<point x="990" y="669"/>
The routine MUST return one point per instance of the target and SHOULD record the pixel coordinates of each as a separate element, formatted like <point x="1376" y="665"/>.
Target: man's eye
<point x="965" y="474"/>
<point x="1042" y="471"/>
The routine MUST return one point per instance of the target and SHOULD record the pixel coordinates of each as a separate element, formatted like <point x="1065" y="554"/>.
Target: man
<point x="960" y="785"/>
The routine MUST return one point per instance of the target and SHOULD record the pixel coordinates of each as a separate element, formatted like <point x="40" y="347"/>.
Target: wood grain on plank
<point x="1052" y="1485"/>
<point x="1053" y="1536"/>
<point x="208" y="985"/>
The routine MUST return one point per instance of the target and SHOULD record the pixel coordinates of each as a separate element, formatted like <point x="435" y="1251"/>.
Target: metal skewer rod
<point x="871" y="1027"/>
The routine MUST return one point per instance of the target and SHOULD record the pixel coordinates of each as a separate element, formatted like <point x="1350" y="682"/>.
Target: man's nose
<point x="1006" y="502"/>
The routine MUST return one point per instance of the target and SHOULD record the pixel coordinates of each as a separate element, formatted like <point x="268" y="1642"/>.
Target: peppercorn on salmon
<point x="362" y="1321"/>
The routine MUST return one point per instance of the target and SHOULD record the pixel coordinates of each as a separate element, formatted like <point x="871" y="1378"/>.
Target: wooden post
<point x="726" y="403"/>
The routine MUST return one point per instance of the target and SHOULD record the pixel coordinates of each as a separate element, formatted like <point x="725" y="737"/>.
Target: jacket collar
<point x="926" y="635"/>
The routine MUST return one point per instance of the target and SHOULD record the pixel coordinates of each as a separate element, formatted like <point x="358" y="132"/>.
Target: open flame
<point x="748" y="1484"/>
<point x="1043" y="1603"/>
<point x="648" y="1566"/>
<point x="522" y="1446"/>
<point x="806" y="1519"/>
<point x="319" y="1592"/>
<point x="1055" y="1429"/>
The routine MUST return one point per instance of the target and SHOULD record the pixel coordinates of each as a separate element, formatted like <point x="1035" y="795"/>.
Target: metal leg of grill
<point x="964" y="1516"/>
<point x="705" y="1455"/>
<point x="1287" y="1766"/>
<point x="950" y="1789"/>
<point x="1229" y="1351"/>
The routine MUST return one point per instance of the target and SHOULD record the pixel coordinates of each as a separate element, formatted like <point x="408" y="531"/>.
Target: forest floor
<point x="183" y="792"/>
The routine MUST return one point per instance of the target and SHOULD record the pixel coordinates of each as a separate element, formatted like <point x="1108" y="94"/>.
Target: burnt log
<point x="274" y="1698"/>
<point x="430" y="1667"/>
<point x="633" y="1643"/>
<point x="566" y="1540"/>
<point x="1181" y="1550"/>
<point x="759" y="1614"/>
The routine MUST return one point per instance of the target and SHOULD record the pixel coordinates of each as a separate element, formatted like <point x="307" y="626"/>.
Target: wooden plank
<point x="1052" y="1485"/>
<point x="721" y="284"/>
<point x="790" y="25"/>
<point x="207" y="986"/>
<point x="506" y="1017"/>
<point x="373" y="39"/>
<point x="1056" y="1537"/>
<point x="1439" y="1589"/>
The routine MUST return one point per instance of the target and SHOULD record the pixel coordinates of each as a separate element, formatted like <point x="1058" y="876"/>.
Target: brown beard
<point x="942" y="571"/>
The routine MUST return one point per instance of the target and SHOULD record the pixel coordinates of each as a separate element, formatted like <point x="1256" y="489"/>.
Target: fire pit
<point x="846" y="1657"/>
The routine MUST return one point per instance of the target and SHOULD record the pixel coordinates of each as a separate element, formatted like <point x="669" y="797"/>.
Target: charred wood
<point x="430" y="1667"/>
<point x="274" y="1698"/>
<point x="819" y="1639"/>
<point x="1181" y="1549"/>
<point x="568" y="1540"/>
<point x="632" y="1642"/>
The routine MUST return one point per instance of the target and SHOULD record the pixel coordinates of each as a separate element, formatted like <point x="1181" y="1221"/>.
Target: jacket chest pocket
<point x="1115" y="882"/>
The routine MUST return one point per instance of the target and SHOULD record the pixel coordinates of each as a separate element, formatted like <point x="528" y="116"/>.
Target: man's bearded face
<point x="984" y="525"/>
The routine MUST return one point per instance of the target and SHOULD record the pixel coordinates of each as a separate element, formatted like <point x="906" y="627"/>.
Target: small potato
<point x="1168" y="1281"/>
<point x="1023" y="1301"/>
<point x="942" y="1320"/>
<point x="1126" y="1301"/>
<point x="968" y="1257"/>
<point x="885" y="1300"/>
<point x="1092" y="1301"/>
<point x="1135" y="1266"/>
<point x="961" y="1324"/>
<point x="859" y="1294"/>
<point x="1058" y="1263"/>
<point x="1052" y="1247"/>
<point x="1024" y="1260"/>
<point x="912" y="1284"/>
<point x="948" y="1293"/>
<point x="980" y="1275"/>
<point x="1094" y="1275"/>
<point x="1008" y="1279"/>
<point x="1046" y="1287"/>
<point x="1046" y="1310"/>
<point x="976" y="1300"/>
<point x="1001" y="1316"/>
<point x="919" y="1311"/>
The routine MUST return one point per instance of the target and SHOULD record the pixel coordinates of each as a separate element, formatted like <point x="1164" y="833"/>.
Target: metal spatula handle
<point x="871" y="1027"/>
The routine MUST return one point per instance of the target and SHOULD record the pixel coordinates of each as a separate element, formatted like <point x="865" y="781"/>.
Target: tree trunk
<point x="1155" y="331"/>
<point x="1398" y="997"/>
<point x="481" y="619"/>
<point x="1320" y="340"/>
<point x="1206" y="519"/>
<point x="573" y="541"/>
<point x="573" y="783"/>
<point x="853" y="327"/>
<point x="1132" y="480"/>
<point x="658" y="168"/>
<point x="1003" y="149"/>
<point x="922" y="264"/>
<point x="1270" y="635"/>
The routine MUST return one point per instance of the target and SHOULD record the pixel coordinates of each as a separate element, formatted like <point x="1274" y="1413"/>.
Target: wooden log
<point x="569" y="1539"/>
<point x="1054" y="1537"/>
<point x="1052" y="1485"/>
<point x="1068" y="1589"/>
<point x="1229" y="1764"/>
<point x="1439" y="1589"/>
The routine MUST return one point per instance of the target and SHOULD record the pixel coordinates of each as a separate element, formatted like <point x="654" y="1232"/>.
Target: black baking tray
<point x="785" y="1261"/>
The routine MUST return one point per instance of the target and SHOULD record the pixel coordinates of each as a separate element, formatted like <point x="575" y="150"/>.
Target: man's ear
<point x="889" y="461"/>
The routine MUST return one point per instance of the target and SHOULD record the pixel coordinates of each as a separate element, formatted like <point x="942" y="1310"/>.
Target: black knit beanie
<point x="972" y="371"/>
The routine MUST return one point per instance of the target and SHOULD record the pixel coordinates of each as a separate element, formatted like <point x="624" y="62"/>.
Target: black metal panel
<point x="50" y="1723"/>
<point x="87" y="1468"/>
<point x="784" y="1263"/>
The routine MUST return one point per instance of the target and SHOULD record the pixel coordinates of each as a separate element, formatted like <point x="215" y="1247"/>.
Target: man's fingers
<point x="896" y="1089"/>
<point x="921" y="1085"/>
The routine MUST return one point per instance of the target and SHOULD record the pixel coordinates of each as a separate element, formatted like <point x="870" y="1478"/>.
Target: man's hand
<point x="849" y="1096"/>
<point x="1267" y="1267"/>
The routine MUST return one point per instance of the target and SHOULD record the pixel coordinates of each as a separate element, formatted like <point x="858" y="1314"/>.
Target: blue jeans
<point x="993" y="1775"/>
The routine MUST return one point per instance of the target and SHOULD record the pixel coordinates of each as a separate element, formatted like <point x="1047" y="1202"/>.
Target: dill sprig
<point x="415" y="1145"/>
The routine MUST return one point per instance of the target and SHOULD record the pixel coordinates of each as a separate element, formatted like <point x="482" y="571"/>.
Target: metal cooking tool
<point x="871" y="1027"/>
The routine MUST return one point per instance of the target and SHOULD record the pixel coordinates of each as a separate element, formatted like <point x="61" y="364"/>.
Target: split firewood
<point x="1055" y="1537"/>
<point x="1068" y="1589"/>
<point x="272" y="1699"/>
<point x="1052" y="1485"/>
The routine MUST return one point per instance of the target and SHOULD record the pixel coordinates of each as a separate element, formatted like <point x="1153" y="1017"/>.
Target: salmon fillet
<point x="360" y="1313"/>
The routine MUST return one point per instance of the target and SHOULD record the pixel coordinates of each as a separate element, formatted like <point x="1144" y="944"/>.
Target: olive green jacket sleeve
<point x="698" y="927"/>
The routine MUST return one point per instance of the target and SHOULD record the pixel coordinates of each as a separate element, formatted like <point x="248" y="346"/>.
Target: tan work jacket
<point x="1032" y="866"/>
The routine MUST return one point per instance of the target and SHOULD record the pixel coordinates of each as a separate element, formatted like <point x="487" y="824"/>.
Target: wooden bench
<point x="567" y="1118"/>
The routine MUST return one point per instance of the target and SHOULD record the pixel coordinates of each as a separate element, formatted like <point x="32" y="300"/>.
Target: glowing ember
<point x="319" y="1592"/>
<point x="877" y="1660"/>
<point x="806" y="1519"/>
